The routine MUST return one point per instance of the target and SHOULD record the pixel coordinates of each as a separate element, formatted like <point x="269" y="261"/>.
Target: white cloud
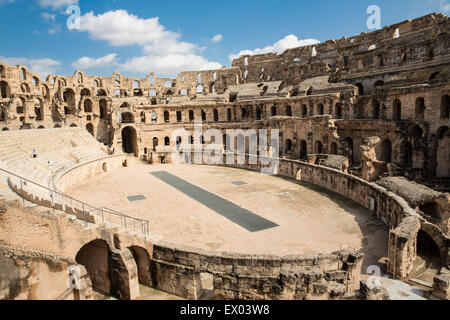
<point x="163" y="51"/>
<point x="120" y="28"/>
<point x="57" y="4"/>
<point x="44" y="66"/>
<point x="217" y="38"/>
<point x="87" y="62"/>
<point x="48" y="16"/>
<point x="169" y="64"/>
<point x="288" y="42"/>
<point x="445" y="6"/>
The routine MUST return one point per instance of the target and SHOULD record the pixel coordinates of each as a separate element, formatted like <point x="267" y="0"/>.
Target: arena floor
<point x="194" y="205"/>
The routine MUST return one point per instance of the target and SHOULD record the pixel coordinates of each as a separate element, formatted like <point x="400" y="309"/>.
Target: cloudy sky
<point x="136" y="37"/>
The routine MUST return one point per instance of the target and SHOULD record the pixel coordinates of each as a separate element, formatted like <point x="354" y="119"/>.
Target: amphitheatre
<point x="92" y="203"/>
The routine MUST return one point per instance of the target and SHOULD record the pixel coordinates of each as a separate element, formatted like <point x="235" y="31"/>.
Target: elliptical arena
<point x="92" y="203"/>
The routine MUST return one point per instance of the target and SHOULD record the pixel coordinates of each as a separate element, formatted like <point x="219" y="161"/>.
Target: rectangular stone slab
<point x="242" y="217"/>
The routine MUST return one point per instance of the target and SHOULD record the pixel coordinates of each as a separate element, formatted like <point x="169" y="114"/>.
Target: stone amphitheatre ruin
<point x="363" y="175"/>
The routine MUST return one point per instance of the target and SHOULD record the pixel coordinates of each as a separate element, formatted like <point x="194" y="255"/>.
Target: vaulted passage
<point x="96" y="258"/>
<point x="129" y="140"/>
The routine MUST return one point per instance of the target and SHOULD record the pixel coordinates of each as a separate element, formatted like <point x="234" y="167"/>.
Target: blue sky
<point x="136" y="37"/>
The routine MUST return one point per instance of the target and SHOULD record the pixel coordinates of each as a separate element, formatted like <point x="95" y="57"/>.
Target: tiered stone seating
<point x="63" y="147"/>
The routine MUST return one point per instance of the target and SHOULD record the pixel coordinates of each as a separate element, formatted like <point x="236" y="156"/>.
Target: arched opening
<point x="167" y="141"/>
<point x="303" y="149"/>
<point x="428" y="250"/>
<point x="406" y="154"/>
<point x="289" y="111"/>
<point x="348" y="149"/>
<point x="376" y="110"/>
<point x="90" y="128"/>
<point x="338" y="111"/>
<point x="288" y="146"/>
<point x="203" y="115"/>
<point x="420" y="109"/>
<point x="129" y="141"/>
<point x="445" y="107"/>
<point x="229" y="115"/>
<point x="360" y="89"/>
<point x="2" y="71"/>
<point x="304" y="111"/>
<point x="320" y="109"/>
<point x="39" y="110"/>
<point x="377" y="84"/>
<point x="85" y="93"/>
<point x="431" y="209"/>
<point x="96" y="258"/>
<point x="334" y="148"/>
<point x="103" y="109"/>
<point x="397" y="110"/>
<point x="101" y="93"/>
<point x="191" y="115"/>
<point x="274" y="111"/>
<point x="199" y="89"/>
<point x="142" y="258"/>
<point x="127" y="117"/>
<point x="166" y="116"/>
<point x="318" y="147"/>
<point x="87" y="106"/>
<point x="216" y="115"/>
<point x="69" y="98"/>
<point x="143" y="117"/>
<point x="4" y="89"/>
<point x="415" y="132"/>
<point x="258" y="113"/>
<point x="73" y="125"/>
<point x="384" y="151"/>
<point x="155" y="143"/>
<point x="138" y="93"/>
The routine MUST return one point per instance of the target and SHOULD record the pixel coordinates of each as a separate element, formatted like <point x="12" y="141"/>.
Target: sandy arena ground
<point x="310" y="219"/>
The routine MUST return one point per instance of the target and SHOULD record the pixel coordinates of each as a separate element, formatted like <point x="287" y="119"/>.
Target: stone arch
<point x="166" y="116"/>
<point x="167" y="141"/>
<point x="420" y="109"/>
<point x="273" y="111"/>
<point x="288" y="111"/>
<point x="397" y="110"/>
<point x="126" y="117"/>
<point x="318" y="147"/>
<point x="334" y="148"/>
<point x="5" y="90"/>
<point x="415" y="132"/>
<point x="360" y="89"/>
<point x="304" y="111"/>
<point x="88" y="106"/>
<point x="445" y="107"/>
<point x="431" y="245"/>
<point x="384" y="151"/>
<point x="96" y="258"/>
<point x="406" y="154"/>
<point x="90" y="128"/>
<point x="129" y="141"/>
<point x="303" y="149"/>
<point x="142" y="259"/>
<point x="2" y="71"/>
<point x="288" y="145"/>
<point x="69" y="98"/>
<point x="85" y="92"/>
<point x="155" y="143"/>
<point x="320" y="109"/>
<point x="103" y="109"/>
<point x="101" y="93"/>
<point x="338" y="110"/>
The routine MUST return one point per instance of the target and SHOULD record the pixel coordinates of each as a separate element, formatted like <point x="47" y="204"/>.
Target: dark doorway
<point x="129" y="140"/>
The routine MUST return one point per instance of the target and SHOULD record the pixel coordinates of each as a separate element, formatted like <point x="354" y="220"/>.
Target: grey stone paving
<point x="136" y="198"/>
<point x="242" y="217"/>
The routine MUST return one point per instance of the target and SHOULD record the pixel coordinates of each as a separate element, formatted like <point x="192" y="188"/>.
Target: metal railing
<point x="38" y="194"/>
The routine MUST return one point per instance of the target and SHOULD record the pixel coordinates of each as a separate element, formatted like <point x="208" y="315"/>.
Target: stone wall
<point x="39" y="276"/>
